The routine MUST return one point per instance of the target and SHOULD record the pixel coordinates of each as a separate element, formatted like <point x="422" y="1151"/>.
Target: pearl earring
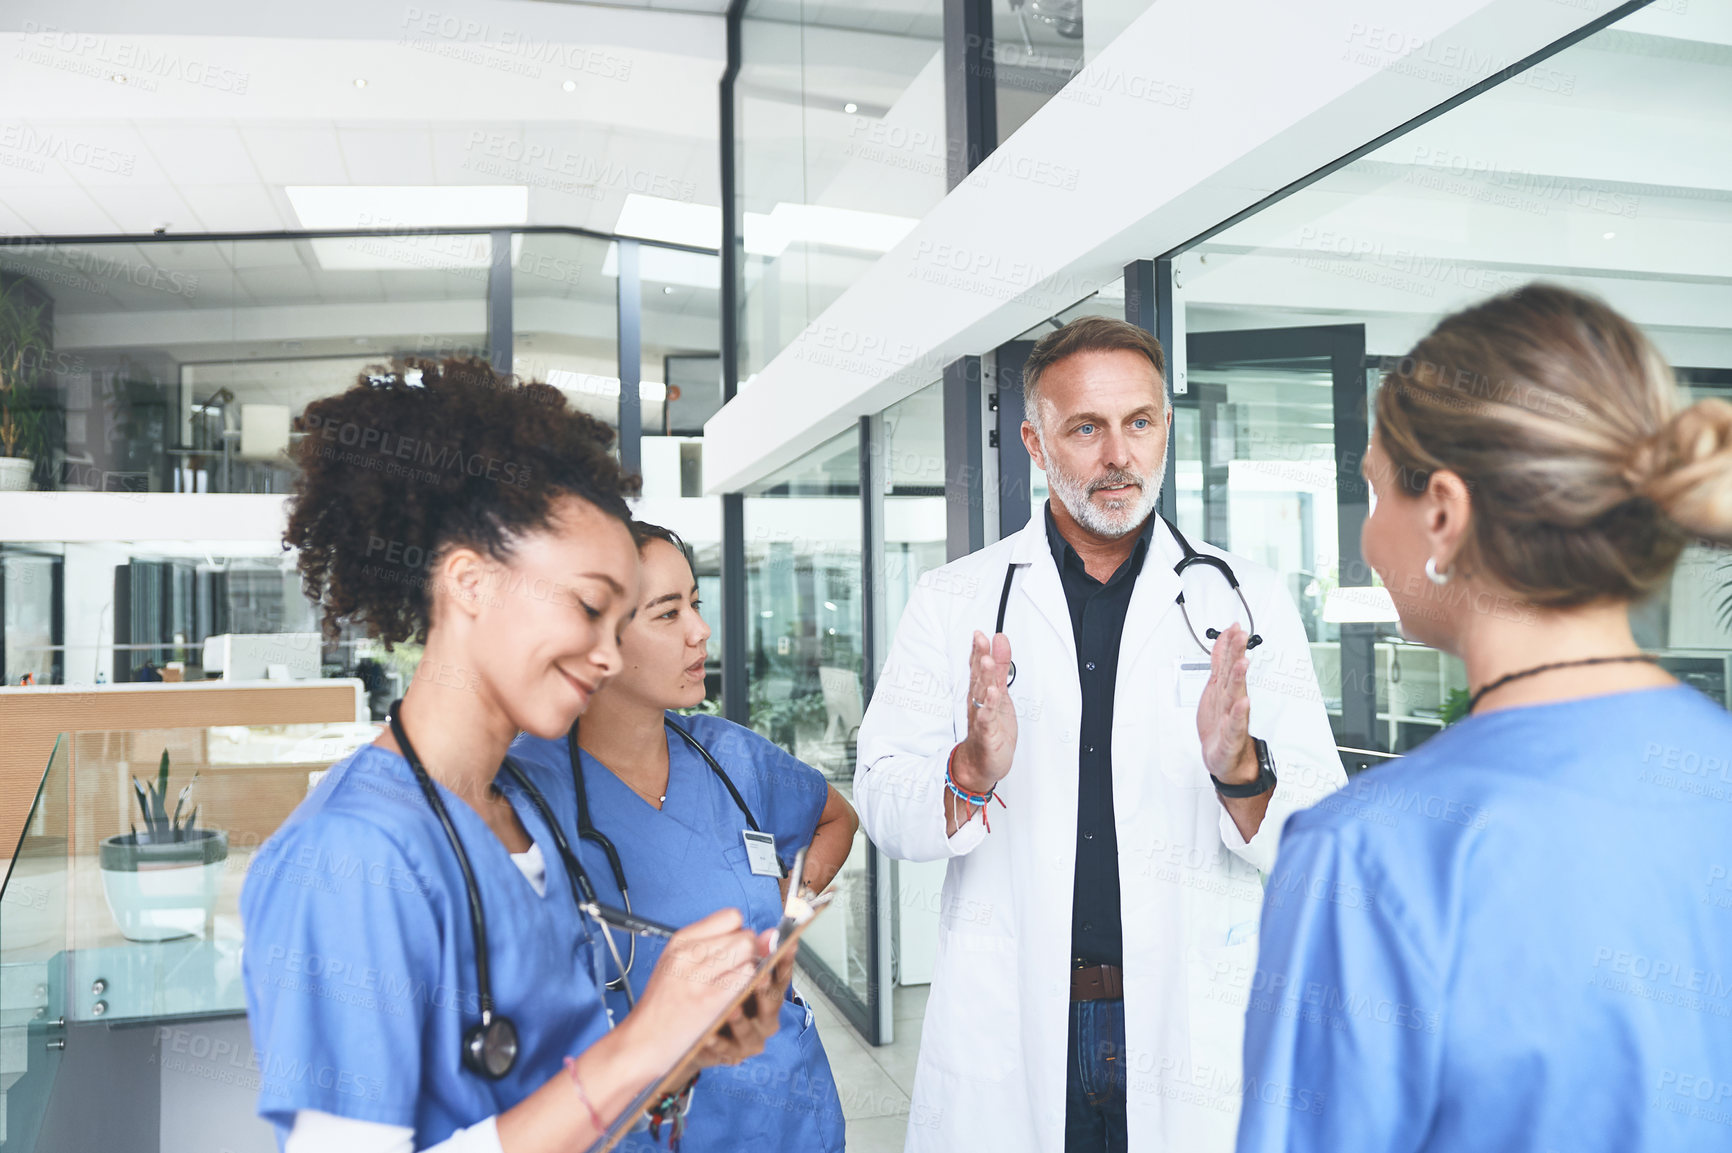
<point x="1431" y="573"/>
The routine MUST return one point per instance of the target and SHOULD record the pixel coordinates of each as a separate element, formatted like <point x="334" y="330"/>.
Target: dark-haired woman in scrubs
<point x="688" y="844"/>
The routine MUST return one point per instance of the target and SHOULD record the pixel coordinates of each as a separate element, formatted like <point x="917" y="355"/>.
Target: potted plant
<point x="23" y="342"/>
<point x="161" y="883"/>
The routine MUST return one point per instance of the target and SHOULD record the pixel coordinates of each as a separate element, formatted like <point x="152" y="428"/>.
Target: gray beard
<point x="1119" y="517"/>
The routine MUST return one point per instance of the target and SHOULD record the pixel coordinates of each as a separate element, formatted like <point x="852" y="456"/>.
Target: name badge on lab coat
<point x="761" y="853"/>
<point x="1189" y="678"/>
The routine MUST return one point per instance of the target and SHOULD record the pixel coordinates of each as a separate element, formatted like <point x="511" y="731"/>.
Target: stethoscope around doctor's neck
<point x="586" y="830"/>
<point x="490" y="1047"/>
<point x="1191" y="557"/>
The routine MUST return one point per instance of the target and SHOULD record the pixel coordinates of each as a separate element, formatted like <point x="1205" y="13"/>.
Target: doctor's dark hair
<point x="423" y="456"/>
<point x="1587" y="472"/>
<point x="1087" y="334"/>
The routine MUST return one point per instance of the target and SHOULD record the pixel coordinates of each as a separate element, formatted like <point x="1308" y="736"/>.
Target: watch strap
<point x="1265" y="775"/>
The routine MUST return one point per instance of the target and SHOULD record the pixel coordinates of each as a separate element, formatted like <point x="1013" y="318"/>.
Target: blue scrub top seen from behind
<point x="685" y="861"/>
<point x="1517" y="938"/>
<point x="360" y="957"/>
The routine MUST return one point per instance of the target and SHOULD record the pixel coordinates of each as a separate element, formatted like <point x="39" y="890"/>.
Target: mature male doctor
<point x="1107" y="776"/>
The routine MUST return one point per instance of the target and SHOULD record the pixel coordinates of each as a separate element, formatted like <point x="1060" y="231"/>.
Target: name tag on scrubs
<point x="1190" y="677"/>
<point x="761" y="853"/>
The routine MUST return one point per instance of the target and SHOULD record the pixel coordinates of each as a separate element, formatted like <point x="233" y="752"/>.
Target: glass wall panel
<point x="914" y="497"/>
<point x="565" y="320"/>
<point x="803" y="567"/>
<point x="1603" y="169"/>
<point x="915" y="504"/>
<point x="840" y="149"/>
<point x="1040" y="46"/>
<point x="682" y="388"/>
<point x="29" y="611"/>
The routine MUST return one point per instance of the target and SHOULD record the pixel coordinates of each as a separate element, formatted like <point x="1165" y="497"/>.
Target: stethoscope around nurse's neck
<point x="586" y="830"/>
<point x="490" y="1048"/>
<point x="1190" y="557"/>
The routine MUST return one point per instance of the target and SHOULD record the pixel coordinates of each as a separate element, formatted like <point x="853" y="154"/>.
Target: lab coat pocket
<point x="1219" y="989"/>
<point x="974" y="1015"/>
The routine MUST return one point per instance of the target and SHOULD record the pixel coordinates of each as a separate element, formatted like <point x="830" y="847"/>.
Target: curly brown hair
<point x="423" y="456"/>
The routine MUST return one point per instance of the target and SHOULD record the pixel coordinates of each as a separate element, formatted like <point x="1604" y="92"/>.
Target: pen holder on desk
<point x="159" y="891"/>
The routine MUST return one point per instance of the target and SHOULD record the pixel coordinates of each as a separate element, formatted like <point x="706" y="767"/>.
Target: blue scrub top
<point x="360" y="959"/>
<point x="1517" y="938"/>
<point x="684" y="862"/>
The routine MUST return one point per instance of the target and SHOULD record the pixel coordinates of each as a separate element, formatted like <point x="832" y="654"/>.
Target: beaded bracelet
<point x="977" y="800"/>
<point x="594" y="1117"/>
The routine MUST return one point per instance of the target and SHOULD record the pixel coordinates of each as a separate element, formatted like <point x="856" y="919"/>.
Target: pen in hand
<point x="630" y="922"/>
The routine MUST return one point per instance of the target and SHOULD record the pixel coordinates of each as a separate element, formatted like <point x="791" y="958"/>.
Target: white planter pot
<point x="15" y="473"/>
<point x="158" y="892"/>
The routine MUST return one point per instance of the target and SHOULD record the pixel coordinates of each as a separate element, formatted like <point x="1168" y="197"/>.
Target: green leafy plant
<point x="24" y="338"/>
<point x="161" y="826"/>
<point x="1454" y="706"/>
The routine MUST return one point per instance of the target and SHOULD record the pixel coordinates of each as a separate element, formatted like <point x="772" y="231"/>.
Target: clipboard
<point x="788" y="933"/>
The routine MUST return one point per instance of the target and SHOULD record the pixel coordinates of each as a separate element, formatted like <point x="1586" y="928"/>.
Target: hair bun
<point x="1686" y="469"/>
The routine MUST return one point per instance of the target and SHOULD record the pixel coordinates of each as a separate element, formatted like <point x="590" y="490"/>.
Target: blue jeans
<point x="1094" y="1115"/>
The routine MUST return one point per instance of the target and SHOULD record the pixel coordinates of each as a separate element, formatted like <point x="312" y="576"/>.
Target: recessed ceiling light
<point x="1607" y="235"/>
<point x="570" y="86"/>
<point x="667" y="290"/>
<point x="850" y="107"/>
<point x="360" y="82"/>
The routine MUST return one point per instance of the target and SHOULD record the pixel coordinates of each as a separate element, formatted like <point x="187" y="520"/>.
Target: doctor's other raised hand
<point x="1224" y="712"/>
<point x="1223" y="726"/>
<point x="983" y="759"/>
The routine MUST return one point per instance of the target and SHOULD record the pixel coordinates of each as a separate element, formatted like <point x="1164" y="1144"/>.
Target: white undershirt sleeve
<point x="317" y="1132"/>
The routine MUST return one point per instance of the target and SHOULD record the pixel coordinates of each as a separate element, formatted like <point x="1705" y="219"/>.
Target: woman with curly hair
<point x="1506" y="940"/>
<point x="417" y="973"/>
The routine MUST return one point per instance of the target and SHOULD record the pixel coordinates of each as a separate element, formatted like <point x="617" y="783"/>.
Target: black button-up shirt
<point x="1097" y="618"/>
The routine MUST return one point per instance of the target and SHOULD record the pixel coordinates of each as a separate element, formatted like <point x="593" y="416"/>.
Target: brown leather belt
<point x="1098" y="983"/>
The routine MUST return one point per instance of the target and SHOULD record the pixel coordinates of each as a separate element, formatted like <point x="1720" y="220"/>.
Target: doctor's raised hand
<point x="1224" y="728"/>
<point x="983" y="758"/>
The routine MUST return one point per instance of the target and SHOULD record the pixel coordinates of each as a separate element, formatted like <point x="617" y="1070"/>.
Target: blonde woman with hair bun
<point x="1520" y="936"/>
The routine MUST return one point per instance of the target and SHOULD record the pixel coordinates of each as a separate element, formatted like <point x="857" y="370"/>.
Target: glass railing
<point x="33" y="924"/>
<point x="122" y="902"/>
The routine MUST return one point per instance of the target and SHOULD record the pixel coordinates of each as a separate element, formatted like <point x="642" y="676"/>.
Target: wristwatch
<point x="1265" y="775"/>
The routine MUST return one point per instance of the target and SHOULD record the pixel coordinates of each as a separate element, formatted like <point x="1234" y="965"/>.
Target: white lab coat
<point x="991" y="1071"/>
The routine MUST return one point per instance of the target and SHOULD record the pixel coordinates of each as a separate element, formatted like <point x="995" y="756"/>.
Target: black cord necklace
<point x="1473" y="701"/>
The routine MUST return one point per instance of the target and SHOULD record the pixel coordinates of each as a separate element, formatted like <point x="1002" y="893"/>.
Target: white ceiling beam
<point x="1198" y="111"/>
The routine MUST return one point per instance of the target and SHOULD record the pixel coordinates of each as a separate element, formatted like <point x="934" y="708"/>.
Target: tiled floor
<point x="875" y="1082"/>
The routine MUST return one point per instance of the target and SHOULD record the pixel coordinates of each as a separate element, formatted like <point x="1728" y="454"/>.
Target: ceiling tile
<point x="297" y="154"/>
<point x="200" y="153"/>
<point x="61" y="211"/>
<point x="140" y="209"/>
<point x="480" y="153"/>
<point x="401" y="154"/>
<point x="234" y="207"/>
<point x="79" y="153"/>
